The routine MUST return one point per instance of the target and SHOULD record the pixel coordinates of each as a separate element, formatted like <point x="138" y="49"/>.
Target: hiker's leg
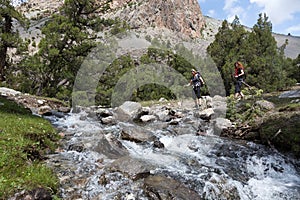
<point x="242" y="95"/>
<point x="195" y="96"/>
<point x="198" y="94"/>
<point x="237" y="89"/>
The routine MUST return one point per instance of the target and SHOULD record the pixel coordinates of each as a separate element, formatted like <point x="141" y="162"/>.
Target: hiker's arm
<point x="242" y="73"/>
<point x="201" y="80"/>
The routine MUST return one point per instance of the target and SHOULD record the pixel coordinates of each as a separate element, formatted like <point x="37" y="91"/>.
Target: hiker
<point x="239" y="75"/>
<point x="196" y="81"/>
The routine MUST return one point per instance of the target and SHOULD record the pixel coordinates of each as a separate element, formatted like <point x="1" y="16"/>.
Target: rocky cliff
<point x="170" y="19"/>
<point x="183" y="16"/>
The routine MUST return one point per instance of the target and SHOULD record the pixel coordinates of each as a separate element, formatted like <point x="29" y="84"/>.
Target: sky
<point x="283" y="14"/>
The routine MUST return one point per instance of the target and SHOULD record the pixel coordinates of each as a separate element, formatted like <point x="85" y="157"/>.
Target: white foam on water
<point x="272" y="178"/>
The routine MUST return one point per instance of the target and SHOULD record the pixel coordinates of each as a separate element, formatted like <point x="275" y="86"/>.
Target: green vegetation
<point x="277" y="128"/>
<point x="9" y="38"/>
<point x="24" y="139"/>
<point x="154" y="85"/>
<point x="258" y="51"/>
<point x="67" y="39"/>
<point x="245" y="111"/>
<point x="282" y="131"/>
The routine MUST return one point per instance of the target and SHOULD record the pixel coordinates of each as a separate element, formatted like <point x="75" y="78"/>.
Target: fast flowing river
<point x="98" y="162"/>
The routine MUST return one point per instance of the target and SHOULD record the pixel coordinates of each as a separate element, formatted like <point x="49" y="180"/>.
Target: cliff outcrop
<point x="183" y="16"/>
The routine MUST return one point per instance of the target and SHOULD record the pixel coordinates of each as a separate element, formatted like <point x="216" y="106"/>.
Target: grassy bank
<point x="24" y="140"/>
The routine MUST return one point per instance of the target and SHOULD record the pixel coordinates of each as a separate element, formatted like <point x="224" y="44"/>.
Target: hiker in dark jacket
<point x="196" y="81"/>
<point x="239" y="75"/>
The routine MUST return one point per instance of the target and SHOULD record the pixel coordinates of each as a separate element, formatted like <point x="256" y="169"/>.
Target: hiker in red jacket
<point x="239" y="75"/>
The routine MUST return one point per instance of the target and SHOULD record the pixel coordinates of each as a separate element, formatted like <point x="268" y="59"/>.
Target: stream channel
<point x="165" y="158"/>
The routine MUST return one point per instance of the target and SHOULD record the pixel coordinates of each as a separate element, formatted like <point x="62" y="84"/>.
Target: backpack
<point x="200" y="78"/>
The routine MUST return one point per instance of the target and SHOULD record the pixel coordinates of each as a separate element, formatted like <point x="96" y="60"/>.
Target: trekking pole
<point x="246" y="84"/>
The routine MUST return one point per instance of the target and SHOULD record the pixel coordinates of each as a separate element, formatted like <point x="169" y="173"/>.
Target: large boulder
<point x="8" y="92"/>
<point x="205" y="114"/>
<point x="136" y="134"/>
<point x="133" y="168"/>
<point x="265" y="105"/>
<point x="220" y="124"/>
<point x="282" y="132"/>
<point x="129" y="110"/>
<point x="110" y="147"/>
<point x="161" y="187"/>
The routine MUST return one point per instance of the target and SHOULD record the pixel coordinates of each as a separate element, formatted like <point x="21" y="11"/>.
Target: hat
<point x="193" y="70"/>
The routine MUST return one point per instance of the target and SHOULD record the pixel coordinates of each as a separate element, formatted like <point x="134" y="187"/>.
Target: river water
<point x="211" y="166"/>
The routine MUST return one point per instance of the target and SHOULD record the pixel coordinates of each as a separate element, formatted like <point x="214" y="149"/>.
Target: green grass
<point x="24" y="140"/>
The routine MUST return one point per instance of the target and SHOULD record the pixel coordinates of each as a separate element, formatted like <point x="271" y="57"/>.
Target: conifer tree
<point x="257" y="50"/>
<point x="68" y="38"/>
<point x="264" y="59"/>
<point x="9" y="38"/>
<point x="226" y="48"/>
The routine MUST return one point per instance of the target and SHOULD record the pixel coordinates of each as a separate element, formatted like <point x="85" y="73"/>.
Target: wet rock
<point x="205" y="114"/>
<point x="148" y="118"/>
<point x="132" y="167"/>
<point x="111" y="148"/>
<point x="76" y="147"/>
<point x="221" y="124"/>
<point x="136" y="134"/>
<point x="109" y="120"/>
<point x="161" y="187"/>
<point x="174" y="122"/>
<point x="219" y="188"/>
<point x="128" y="111"/>
<point x="58" y="114"/>
<point x="158" y="144"/>
<point x="102" y="113"/>
<point x="163" y="115"/>
<point x="290" y="94"/>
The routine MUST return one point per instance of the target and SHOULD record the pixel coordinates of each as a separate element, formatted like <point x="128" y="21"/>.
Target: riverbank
<point x="108" y="152"/>
<point x="25" y="139"/>
<point x="273" y="120"/>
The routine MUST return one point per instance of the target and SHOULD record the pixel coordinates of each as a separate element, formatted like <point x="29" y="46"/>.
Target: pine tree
<point x="226" y="49"/>
<point x="9" y="38"/>
<point x="295" y="70"/>
<point x="257" y="50"/>
<point x="264" y="59"/>
<point x="68" y="38"/>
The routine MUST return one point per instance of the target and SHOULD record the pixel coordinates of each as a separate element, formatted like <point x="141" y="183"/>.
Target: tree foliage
<point x="9" y="38"/>
<point x="68" y="38"/>
<point x="226" y="49"/>
<point x="257" y="50"/>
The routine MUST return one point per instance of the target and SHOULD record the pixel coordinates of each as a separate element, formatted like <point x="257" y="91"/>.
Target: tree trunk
<point x="3" y="51"/>
<point x="6" y="29"/>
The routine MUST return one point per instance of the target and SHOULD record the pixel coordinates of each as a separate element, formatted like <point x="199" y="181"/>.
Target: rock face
<point x="183" y="16"/>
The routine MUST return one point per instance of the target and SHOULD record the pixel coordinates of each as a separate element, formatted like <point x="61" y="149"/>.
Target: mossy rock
<point x="283" y="132"/>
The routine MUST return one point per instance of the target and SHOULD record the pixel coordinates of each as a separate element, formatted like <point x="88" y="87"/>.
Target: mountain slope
<point x="170" y="20"/>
